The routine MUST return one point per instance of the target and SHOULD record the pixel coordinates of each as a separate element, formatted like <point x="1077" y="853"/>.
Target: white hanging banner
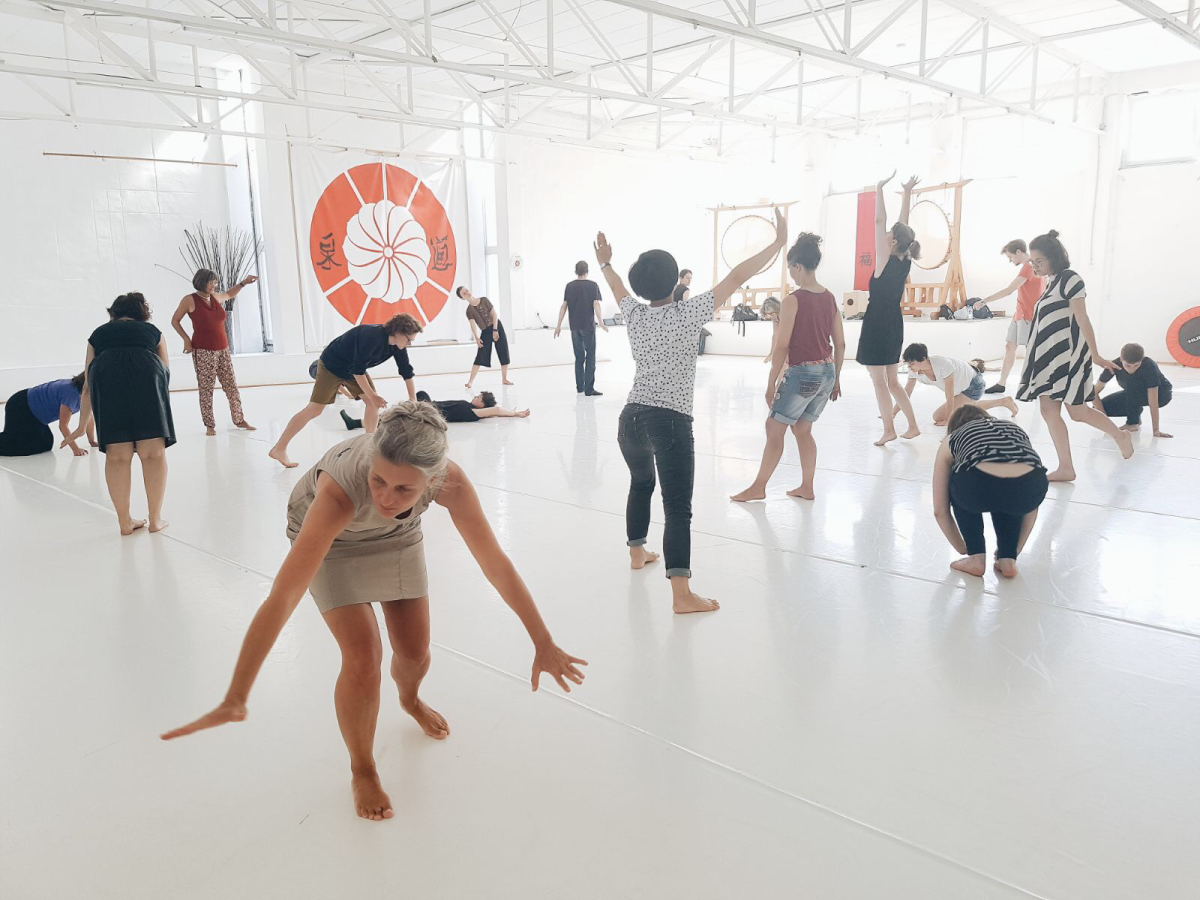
<point x="378" y="237"/>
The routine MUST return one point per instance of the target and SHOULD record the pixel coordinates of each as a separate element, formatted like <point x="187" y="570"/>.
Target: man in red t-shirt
<point x="1029" y="288"/>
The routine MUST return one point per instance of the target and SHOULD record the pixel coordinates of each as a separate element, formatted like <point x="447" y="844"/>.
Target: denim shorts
<point x="975" y="389"/>
<point x="803" y="393"/>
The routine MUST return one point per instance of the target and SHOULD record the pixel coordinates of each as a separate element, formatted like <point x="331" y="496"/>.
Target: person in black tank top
<point x="986" y="465"/>
<point x="684" y="289"/>
<point x="882" y="334"/>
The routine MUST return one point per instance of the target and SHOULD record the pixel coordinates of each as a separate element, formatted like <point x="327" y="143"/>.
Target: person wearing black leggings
<point x="655" y="430"/>
<point x="986" y="465"/>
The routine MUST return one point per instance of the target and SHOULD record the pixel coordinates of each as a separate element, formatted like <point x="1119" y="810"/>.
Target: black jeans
<point x="23" y="434"/>
<point x="584" y="342"/>
<point x="1009" y="500"/>
<point x="1130" y="405"/>
<point x="651" y="437"/>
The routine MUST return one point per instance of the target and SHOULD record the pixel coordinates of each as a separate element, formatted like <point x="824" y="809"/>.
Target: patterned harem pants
<point x="210" y="366"/>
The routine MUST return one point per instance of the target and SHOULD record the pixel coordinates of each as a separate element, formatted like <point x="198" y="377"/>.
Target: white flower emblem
<point x="386" y="251"/>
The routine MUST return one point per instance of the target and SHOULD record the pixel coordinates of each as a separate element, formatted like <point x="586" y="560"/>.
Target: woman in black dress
<point x="126" y="390"/>
<point x="882" y="334"/>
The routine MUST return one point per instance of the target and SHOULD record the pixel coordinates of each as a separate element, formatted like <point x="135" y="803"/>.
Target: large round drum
<point x="932" y="227"/>
<point x="745" y="237"/>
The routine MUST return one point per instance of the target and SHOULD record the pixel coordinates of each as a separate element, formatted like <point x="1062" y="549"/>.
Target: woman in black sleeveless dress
<point x="882" y="335"/>
<point x="126" y="389"/>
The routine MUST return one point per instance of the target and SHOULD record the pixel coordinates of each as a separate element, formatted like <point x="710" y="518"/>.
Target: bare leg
<point x="1089" y="415"/>
<point x="356" y="697"/>
<point x="1008" y="402"/>
<point x="371" y="418"/>
<point x="153" y="455"/>
<point x="504" y="375"/>
<point x="1052" y="415"/>
<point x="808" y="459"/>
<point x="408" y="630"/>
<point x="471" y="379"/>
<point x="893" y="383"/>
<point x="683" y="601"/>
<point x="772" y="453"/>
<point x="940" y="416"/>
<point x="118" y="459"/>
<point x="294" y="426"/>
<point x="883" y="397"/>
<point x="1010" y="357"/>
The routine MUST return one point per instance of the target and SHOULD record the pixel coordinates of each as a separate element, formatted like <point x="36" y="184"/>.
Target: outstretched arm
<point x="748" y="268"/>
<point x="236" y="289"/>
<point x="460" y="500"/>
<point x="906" y="202"/>
<point x="941" y="498"/>
<point x="330" y="513"/>
<point x="1013" y="285"/>
<point x="882" y="250"/>
<point x="499" y="412"/>
<point x="604" y="254"/>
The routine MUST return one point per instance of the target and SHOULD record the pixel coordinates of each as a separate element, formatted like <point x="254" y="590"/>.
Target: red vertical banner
<point x="864" y="244"/>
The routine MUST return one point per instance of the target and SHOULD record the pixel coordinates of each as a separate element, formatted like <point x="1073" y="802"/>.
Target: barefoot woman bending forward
<point x="1061" y="353"/>
<point x="355" y="525"/>
<point x="656" y="425"/>
<point x="882" y="333"/>
<point x="986" y="465"/>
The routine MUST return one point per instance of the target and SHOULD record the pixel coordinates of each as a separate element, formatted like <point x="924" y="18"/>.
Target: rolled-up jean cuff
<point x="679" y="573"/>
<point x="638" y="542"/>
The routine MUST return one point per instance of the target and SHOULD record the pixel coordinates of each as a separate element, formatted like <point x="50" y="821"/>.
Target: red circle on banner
<point x="381" y="244"/>
<point x="1183" y="338"/>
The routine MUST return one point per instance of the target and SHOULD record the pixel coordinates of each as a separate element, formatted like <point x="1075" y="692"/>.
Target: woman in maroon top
<point x="209" y="345"/>
<point x="810" y="340"/>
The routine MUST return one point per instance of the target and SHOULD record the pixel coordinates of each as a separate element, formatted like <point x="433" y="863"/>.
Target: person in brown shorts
<point x="354" y="521"/>
<point x="344" y="364"/>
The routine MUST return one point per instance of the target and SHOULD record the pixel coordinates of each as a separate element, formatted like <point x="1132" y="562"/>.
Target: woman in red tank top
<point x="209" y="345"/>
<point x="809" y="341"/>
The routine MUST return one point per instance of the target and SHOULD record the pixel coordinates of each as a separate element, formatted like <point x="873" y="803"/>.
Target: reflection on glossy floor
<point x="856" y="722"/>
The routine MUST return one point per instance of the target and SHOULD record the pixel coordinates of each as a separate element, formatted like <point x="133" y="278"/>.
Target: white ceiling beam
<point x="883" y="26"/>
<point x="1157" y="14"/>
<point x="603" y="43"/>
<point x="763" y="38"/>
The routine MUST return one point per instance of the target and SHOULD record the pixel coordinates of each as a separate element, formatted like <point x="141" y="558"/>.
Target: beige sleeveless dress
<point x="376" y="558"/>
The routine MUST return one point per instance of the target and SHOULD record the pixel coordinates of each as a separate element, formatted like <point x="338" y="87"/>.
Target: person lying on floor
<point x="481" y="406"/>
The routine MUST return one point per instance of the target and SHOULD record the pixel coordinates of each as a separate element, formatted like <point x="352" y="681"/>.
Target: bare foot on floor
<point x="639" y="557"/>
<point x="1061" y="475"/>
<point x="370" y="799"/>
<point x="430" y="720"/>
<point x="1006" y="568"/>
<point x="131" y="526"/>
<point x="509" y="383"/>
<point x="1011" y="405"/>
<point x="211" y="432"/>
<point x="888" y="437"/>
<point x="971" y="565"/>
<point x="245" y="426"/>
<point x="158" y="525"/>
<point x="750" y="493"/>
<point x="804" y="492"/>
<point x="282" y="458"/>
<point x="911" y="433"/>
<point x="1131" y="428"/>
<point x="693" y="603"/>
<point x="1125" y="442"/>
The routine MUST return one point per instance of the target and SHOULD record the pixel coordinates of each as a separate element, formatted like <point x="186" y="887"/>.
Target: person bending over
<point x="581" y="299"/>
<point x="1142" y="384"/>
<point x="354" y="521"/>
<point x="343" y="366"/>
<point x="961" y="381"/>
<point x="481" y="406"/>
<point x="986" y="465"/>
<point x="28" y="414"/>
<point x="1029" y="288"/>
<point x="655" y="430"/>
<point x="811" y="342"/>
<point x="490" y="332"/>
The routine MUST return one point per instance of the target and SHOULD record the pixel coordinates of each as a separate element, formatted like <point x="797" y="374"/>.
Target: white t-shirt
<point x="666" y="341"/>
<point x="964" y="373"/>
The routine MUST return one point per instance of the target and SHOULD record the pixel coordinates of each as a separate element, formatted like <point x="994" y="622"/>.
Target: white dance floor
<point x="856" y="722"/>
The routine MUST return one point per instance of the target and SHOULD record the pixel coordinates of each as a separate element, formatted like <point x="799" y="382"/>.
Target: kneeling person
<point x="963" y="382"/>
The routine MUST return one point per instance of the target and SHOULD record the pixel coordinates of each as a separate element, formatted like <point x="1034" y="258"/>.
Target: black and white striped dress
<point x="1058" y="361"/>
